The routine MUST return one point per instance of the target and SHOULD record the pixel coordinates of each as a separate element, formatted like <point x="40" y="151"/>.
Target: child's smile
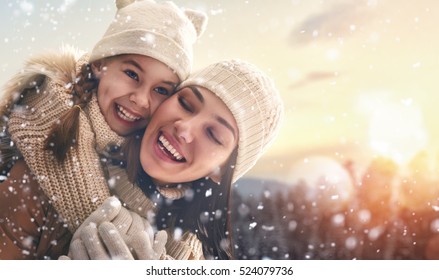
<point x="130" y="89"/>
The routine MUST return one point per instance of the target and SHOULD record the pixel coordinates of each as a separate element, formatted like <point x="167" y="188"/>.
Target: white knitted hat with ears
<point x="254" y="101"/>
<point x="160" y="30"/>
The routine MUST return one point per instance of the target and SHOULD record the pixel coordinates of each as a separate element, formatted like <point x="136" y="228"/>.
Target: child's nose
<point x="141" y="99"/>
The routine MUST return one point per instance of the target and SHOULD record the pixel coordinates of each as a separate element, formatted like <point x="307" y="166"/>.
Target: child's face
<point x="190" y="136"/>
<point x="130" y="89"/>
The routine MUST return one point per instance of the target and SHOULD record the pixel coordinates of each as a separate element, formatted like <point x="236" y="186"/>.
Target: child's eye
<point x="162" y="91"/>
<point x="133" y="75"/>
<point x="183" y="102"/>
<point x="212" y="136"/>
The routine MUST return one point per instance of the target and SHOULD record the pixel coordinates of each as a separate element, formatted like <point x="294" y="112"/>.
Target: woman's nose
<point x="184" y="131"/>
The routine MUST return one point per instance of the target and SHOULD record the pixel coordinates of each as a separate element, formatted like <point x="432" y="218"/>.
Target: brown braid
<point x="65" y="131"/>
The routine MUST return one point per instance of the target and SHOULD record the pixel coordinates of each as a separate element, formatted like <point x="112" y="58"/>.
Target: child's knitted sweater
<point x="77" y="185"/>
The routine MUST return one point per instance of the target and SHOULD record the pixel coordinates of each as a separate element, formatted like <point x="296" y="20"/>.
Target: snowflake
<point x="252" y="225"/>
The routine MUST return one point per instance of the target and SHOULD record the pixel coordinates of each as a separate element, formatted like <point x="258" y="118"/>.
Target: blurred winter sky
<point x="357" y="77"/>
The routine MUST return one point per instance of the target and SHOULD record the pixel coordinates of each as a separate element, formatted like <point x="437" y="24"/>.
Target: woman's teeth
<point x="125" y="115"/>
<point x="170" y="148"/>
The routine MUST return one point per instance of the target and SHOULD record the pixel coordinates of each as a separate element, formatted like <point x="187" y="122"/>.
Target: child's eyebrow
<point x="171" y="84"/>
<point x="134" y="63"/>
<point x="137" y="65"/>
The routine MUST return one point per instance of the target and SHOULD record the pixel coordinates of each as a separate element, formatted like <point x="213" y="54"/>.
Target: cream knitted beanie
<point x="159" y="30"/>
<point x="254" y="101"/>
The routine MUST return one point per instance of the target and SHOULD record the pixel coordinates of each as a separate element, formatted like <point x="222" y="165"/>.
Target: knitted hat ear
<point x="160" y="30"/>
<point x="199" y="20"/>
<point x="123" y="3"/>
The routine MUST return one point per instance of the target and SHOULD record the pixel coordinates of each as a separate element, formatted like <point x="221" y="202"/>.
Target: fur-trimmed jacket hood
<point x="56" y="65"/>
<point x="34" y="101"/>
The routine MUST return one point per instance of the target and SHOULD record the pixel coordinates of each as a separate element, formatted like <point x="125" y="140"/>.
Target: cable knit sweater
<point x="35" y="99"/>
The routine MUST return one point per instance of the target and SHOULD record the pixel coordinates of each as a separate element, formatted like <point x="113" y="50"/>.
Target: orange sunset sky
<point x="359" y="78"/>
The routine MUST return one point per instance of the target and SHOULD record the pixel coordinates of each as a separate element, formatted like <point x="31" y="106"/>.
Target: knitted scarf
<point x="76" y="186"/>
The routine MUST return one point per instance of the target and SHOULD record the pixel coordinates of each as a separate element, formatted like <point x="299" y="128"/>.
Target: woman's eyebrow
<point x="226" y="124"/>
<point x="221" y="120"/>
<point x="197" y="94"/>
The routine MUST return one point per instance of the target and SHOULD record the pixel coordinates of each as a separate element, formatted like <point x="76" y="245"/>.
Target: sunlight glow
<point x="396" y="129"/>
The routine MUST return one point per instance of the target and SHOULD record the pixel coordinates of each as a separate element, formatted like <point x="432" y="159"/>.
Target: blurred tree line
<point x="387" y="216"/>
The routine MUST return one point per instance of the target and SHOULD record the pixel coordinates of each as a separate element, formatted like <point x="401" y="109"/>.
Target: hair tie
<point x="79" y="107"/>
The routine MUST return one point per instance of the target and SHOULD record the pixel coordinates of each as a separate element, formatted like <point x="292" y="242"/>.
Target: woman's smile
<point x="168" y="150"/>
<point x="190" y="136"/>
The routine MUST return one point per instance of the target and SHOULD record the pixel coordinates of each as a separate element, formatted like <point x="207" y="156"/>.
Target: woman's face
<point x="190" y="136"/>
<point x="131" y="87"/>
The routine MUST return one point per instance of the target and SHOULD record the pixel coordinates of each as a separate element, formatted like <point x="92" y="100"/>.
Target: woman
<point x="198" y="142"/>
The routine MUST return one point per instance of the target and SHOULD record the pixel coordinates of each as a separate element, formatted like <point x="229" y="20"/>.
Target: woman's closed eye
<point x="133" y="75"/>
<point x="185" y="104"/>
<point x="211" y="134"/>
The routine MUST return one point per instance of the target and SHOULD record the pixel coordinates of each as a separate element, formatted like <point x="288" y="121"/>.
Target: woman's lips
<point x="168" y="150"/>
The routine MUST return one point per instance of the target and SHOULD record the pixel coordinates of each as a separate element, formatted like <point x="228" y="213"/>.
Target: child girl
<point x="198" y="142"/>
<point x="63" y="110"/>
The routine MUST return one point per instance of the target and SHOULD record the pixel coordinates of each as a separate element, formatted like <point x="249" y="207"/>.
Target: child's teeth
<point x="124" y="114"/>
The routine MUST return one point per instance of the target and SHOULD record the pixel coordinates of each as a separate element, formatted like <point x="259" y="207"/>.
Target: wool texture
<point x="254" y="101"/>
<point x="76" y="186"/>
<point x="159" y="30"/>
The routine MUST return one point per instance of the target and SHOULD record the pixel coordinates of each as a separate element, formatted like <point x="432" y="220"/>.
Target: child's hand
<point x="113" y="232"/>
<point x="109" y="209"/>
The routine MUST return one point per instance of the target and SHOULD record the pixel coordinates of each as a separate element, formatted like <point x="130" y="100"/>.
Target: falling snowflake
<point x="204" y="217"/>
<point x="252" y="225"/>
<point x="148" y="38"/>
<point x="267" y="228"/>
<point x="208" y="193"/>
<point x="178" y="232"/>
<point x="434" y="225"/>
<point x="351" y="243"/>
<point x="112" y="182"/>
<point x="27" y="7"/>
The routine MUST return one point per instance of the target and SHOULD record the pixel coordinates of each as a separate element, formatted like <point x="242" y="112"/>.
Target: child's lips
<point x="127" y="115"/>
